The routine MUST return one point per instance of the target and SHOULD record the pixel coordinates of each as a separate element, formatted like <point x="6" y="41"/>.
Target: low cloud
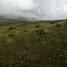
<point x="37" y="9"/>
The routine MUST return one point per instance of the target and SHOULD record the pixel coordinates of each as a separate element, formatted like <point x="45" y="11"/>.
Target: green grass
<point x="33" y="44"/>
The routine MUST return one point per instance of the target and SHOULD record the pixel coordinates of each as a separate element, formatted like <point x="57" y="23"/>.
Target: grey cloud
<point x="38" y="9"/>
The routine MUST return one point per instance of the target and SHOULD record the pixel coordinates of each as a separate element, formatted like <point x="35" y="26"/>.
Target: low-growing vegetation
<point x="24" y="44"/>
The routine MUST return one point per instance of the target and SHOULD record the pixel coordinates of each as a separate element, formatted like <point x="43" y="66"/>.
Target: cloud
<point x="21" y="4"/>
<point x="38" y="9"/>
<point x="14" y="7"/>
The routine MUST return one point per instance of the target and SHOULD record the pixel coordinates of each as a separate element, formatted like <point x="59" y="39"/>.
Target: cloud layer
<point x="38" y="9"/>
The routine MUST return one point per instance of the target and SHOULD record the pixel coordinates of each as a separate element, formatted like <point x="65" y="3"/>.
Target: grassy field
<point x="33" y="44"/>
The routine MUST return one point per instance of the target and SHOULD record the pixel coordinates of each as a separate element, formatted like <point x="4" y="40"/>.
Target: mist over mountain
<point x="36" y="9"/>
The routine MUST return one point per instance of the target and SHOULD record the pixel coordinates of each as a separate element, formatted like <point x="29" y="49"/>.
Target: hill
<point x="33" y="43"/>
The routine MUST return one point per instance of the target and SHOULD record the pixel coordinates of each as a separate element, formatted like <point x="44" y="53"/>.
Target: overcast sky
<point x="38" y="9"/>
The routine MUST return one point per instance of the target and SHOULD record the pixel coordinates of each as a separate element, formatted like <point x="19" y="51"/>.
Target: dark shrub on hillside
<point x="11" y="35"/>
<point x="11" y="28"/>
<point x="40" y="32"/>
<point x="37" y="26"/>
<point x="58" y="25"/>
<point x="24" y="30"/>
<point x="52" y="22"/>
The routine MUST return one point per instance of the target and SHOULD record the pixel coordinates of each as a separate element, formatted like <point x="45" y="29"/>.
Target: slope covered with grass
<point x="28" y="44"/>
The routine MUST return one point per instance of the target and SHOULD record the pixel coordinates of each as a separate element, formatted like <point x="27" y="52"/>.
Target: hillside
<point x="33" y="43"/>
